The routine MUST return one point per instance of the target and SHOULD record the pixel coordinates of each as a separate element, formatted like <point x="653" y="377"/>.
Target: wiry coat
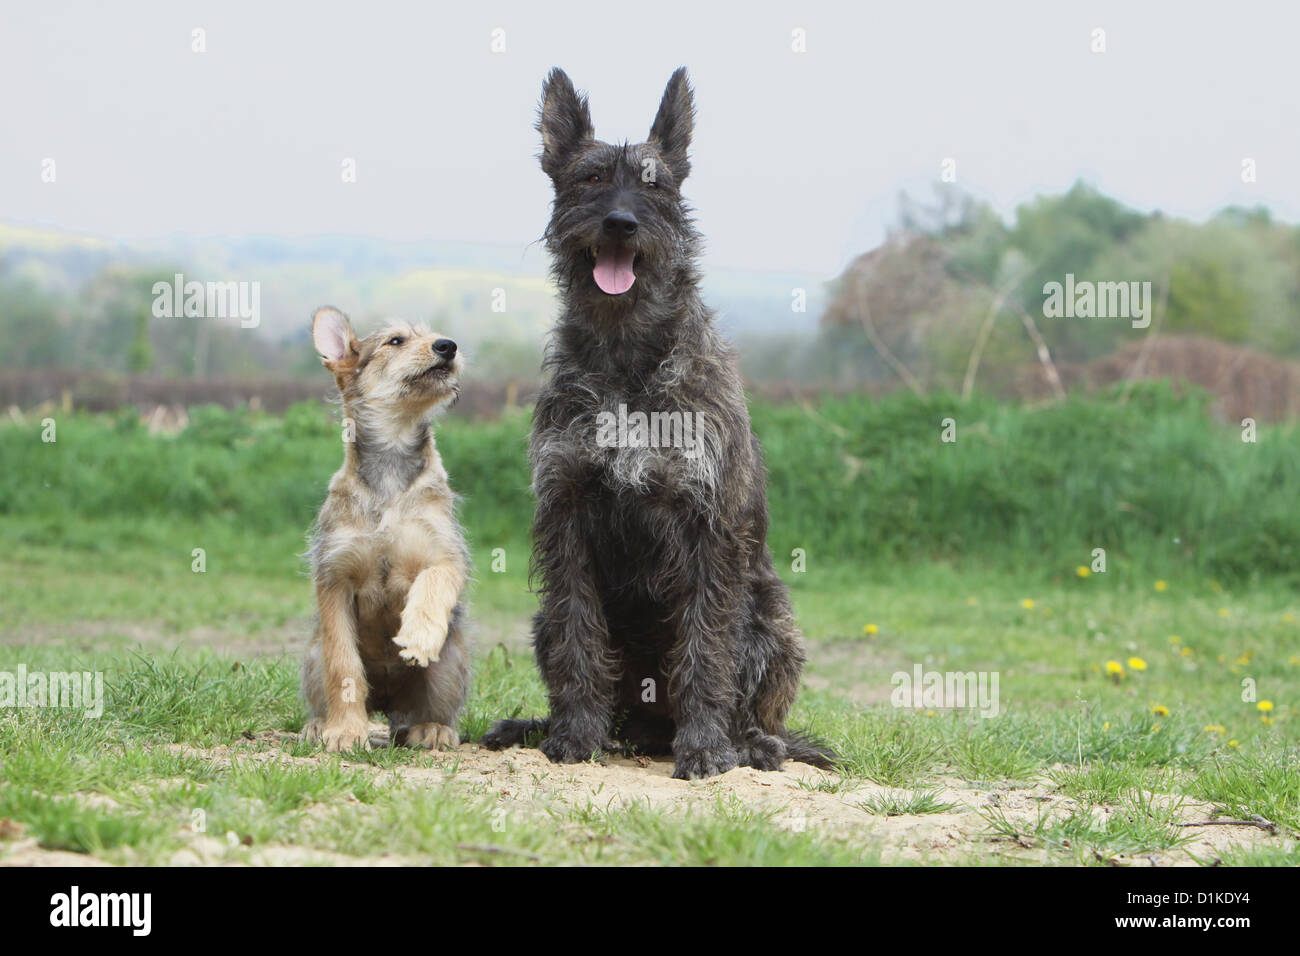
<point x="388" y="558"/>
<point x="663" y="624"/>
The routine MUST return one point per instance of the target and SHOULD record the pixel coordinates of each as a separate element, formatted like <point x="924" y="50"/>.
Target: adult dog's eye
<point x="395" y="340"/>
<point x="652" y="184"/>
<point x="593" y="178"/>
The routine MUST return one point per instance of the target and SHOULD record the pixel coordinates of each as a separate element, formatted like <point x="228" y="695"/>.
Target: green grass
<point x="894" y="804"/>
<point x="1091" y="835"/>
<point x="127" y="786"/>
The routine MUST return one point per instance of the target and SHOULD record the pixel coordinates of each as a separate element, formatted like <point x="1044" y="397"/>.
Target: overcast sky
<point x="798" y="157"/>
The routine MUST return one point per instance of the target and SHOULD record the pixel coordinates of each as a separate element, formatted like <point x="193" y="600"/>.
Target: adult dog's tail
<point x="513" y="731"/>
<point x="806" y="748"/>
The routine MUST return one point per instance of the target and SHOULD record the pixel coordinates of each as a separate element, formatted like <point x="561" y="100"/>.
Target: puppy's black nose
<point x="445" y="348"/>
<point x="620" y="223"/>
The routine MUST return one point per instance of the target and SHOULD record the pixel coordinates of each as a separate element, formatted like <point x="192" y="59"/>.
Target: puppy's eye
<point x="395" y="340"/>
<point x="593" y="178"/>
<point x="652" y="184"/>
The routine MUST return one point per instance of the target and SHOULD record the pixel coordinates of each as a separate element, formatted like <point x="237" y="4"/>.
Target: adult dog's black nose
<point x="620" y="223"/>
<point x="445" y="348"/>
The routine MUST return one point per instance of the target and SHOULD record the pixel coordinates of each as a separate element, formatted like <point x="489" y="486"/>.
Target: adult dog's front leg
<point x="427" y="614"/>
<point x="571" y="640"/>
<point x="701" y="677"/>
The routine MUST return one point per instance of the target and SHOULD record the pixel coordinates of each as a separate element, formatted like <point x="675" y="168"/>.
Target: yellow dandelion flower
<point x="1160" y="710"/>
<point x="1114" y="668"/>
<point x="1137" y="664"/>
<point x="1288" y="618"/>
<point x="929" y="713"/>
<point x="870" y="629"/>
<point x="1175" y="639"/>
<point x="1106" y="725"/>
<point x="1232" y="743"/>
<point x="1162" y="585"/>
<point x="1083" y="571"/>
<point x="1264" y="705"/>
<point x="1186" y="652"/>
<point x="1223" y="612"/>
<point x="1294" y="660"/>
<point x="1027" y="604"/>
<point x="1213" y="728"/>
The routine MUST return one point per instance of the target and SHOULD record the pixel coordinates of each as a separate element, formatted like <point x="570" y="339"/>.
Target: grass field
<point x="1146" y="714"/>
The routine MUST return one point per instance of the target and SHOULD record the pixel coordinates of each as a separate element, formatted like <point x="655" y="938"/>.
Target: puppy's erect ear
<point x="671" y="131"/>
<point x="338" y="347"/>
<point x="564" y="122"/>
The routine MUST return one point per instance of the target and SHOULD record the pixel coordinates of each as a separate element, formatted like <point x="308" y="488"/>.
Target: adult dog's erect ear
<point x="338" y="347"/>
<point x="673" y="124"/>
<point x="563" y="120"/>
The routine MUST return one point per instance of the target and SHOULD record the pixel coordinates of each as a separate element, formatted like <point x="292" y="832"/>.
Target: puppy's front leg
<point x="427" y="613"/>
<point x="346" y="721"/>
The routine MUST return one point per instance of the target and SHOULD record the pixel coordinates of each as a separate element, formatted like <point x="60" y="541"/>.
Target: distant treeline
<point x="955" y="300"/>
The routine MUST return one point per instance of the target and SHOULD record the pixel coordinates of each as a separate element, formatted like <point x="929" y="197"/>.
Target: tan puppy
<point x="387" y="556"/>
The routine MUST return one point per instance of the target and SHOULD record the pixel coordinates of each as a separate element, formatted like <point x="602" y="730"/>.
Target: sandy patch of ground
<point x="799" y="797"/>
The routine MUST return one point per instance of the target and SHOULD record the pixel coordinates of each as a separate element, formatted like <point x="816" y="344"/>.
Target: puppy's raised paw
<point x="420" y="643"/>
<point x="429" y="736"/>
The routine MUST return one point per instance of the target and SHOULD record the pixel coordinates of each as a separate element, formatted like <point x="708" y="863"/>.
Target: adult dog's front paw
<point x="704" y="762"/>
<point x="566" y="750"/>
<point x="420" y="640"/>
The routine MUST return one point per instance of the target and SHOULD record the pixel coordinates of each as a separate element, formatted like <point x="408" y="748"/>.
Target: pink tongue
<point x="613" y="272"/>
